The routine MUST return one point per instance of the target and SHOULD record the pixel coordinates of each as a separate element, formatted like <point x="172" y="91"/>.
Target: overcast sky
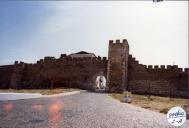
<point x="157" y="32"/>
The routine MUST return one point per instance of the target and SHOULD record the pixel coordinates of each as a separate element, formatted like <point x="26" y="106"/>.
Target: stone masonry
<point x="122" y="71"/>
<point x="117" y="65"/>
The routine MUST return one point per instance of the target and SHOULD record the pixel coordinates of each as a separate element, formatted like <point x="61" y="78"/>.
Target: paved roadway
<point x="16" y="96"/>
<point x="81" y="110"/>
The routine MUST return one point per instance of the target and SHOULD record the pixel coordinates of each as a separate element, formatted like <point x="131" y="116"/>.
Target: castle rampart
<point x="51" y="72"/>
<point x="159" y="80"/>
<point x="122" y="71"/>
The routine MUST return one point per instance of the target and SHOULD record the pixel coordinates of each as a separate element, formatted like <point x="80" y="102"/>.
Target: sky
<point x="157" y="33"/>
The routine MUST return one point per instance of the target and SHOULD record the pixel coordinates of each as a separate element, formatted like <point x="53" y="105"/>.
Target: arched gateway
<point x="99" y="83"/>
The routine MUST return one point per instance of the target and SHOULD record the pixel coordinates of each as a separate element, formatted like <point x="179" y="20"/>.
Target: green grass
<point x="42" y="91"/>
<point x="155" y="103"/>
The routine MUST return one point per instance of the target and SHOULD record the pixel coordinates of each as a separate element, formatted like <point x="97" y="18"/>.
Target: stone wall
<point x="121" y="70"/>
<point x="65" y="71"/>
<point x="158" y="80"/>
<point x="117" y="65"/>
<point x="5" y="76"/>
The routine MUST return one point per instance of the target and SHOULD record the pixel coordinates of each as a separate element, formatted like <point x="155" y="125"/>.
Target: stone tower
<point x="117" y="78"/>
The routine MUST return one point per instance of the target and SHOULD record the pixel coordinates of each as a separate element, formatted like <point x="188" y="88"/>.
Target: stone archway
<point x="99" y="82"/>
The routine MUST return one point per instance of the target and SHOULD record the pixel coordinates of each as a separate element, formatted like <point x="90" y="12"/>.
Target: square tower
<point x="117" y="76"/>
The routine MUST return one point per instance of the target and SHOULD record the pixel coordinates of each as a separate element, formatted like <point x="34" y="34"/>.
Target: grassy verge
<point x="156" y="103"/>
<point x="42" y="91"/>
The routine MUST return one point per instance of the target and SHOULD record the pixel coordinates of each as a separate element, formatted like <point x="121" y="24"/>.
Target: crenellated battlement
<point x="172" y="68"/>
<point x="63" y="55"/>
<point x="19" y="63"/>
<point x="186" y="70"/>
<point x="84" y="58"/>
<point x="118" y="42"/>
<point x="65" y="59"/>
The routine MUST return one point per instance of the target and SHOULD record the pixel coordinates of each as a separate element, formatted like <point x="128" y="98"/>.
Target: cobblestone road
<point x="81" y="110"/>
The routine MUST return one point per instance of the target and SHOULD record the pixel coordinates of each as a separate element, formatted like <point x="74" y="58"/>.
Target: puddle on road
<point x="6" y="110"/>
<point x="55" y="115"/>
<point x="8" y="107"/>
<point x="54" y="109"/>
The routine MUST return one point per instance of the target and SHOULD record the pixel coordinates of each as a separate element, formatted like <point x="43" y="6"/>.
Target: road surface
<point x="16" y="96"/>
<point x="81" y="110"/>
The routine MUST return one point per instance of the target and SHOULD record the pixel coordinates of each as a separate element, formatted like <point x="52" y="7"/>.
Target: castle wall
<point x="122" y="71"/>
<point x="66" y="71"/>
<point x="5" y="76"/>
<point x="157" y="80"/>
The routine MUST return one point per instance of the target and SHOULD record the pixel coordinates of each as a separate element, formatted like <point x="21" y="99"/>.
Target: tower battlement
<point x="118" y="43"/>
